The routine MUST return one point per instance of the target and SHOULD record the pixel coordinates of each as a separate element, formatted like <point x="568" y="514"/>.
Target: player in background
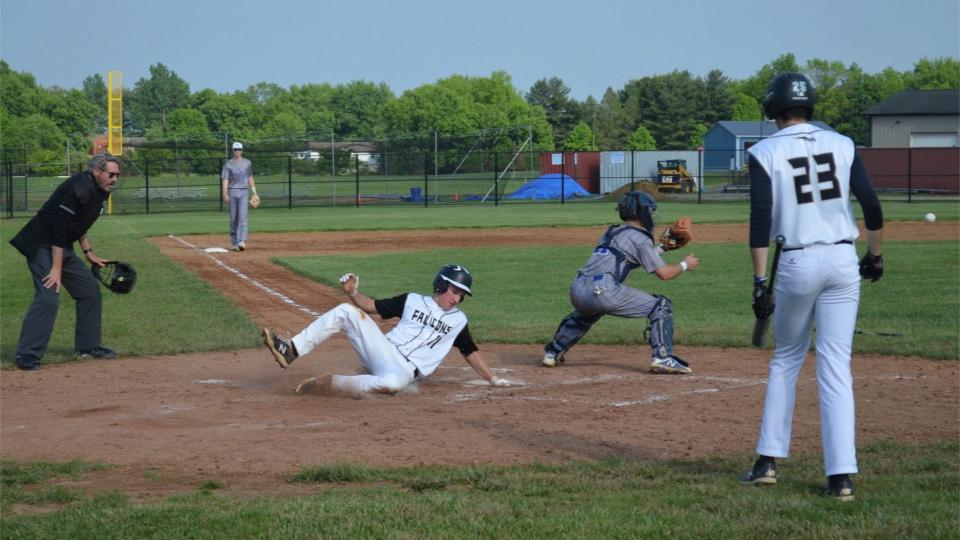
<point x="429" y="327"/>
<point x="801" y="179"/>
<point x="236" y="185"/>
<point x="598" y="289"/>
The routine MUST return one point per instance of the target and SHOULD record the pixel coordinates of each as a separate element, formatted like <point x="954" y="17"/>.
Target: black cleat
<point x="97" y="353"/>
<point x="28" y="363"/>
<point x="764" y="472"/>
<point x="283" y="350"/>
<point x="840" y="487"/>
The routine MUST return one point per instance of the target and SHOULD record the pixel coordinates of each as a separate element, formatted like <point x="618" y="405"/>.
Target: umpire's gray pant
<point x="38" y="322"/>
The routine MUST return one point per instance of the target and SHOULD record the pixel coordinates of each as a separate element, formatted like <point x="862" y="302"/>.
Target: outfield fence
<point x="290" y="180"/>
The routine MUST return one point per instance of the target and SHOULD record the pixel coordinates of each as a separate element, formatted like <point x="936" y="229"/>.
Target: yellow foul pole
<point x="114" y="119"/>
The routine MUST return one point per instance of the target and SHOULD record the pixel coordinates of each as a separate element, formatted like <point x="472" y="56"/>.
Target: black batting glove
<point x="871" y="267"/>
<point x="762" y="307"/>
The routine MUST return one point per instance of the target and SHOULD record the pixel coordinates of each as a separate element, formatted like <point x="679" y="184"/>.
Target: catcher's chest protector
<point x="622" y="267"/>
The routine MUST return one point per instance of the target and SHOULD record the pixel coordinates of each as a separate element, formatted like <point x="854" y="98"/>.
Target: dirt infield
<point x="170" y="423"/>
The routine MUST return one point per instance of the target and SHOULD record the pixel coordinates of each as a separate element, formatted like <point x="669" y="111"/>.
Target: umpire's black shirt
<point x="66" y="216"/>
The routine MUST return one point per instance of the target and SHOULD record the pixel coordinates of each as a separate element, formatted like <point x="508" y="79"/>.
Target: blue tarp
<point x="548" y="186"/>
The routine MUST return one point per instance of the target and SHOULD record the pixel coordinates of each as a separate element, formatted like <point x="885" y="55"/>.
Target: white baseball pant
<point x="816" y="284"/>
<point x="389" y="372"/>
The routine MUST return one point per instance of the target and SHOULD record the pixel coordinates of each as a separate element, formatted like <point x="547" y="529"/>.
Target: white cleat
<point x="670" y="365"/>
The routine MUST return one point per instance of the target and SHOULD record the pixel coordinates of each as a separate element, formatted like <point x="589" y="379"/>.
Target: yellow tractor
<point x="672" y="175"/>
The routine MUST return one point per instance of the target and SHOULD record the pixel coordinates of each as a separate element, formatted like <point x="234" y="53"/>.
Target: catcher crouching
<point x="598" y="289"/>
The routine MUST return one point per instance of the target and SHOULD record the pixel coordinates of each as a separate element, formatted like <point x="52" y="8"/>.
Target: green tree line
<point x="667" y="111"/>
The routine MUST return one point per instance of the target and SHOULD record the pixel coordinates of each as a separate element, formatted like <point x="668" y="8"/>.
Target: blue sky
<point x="591" y="45"/>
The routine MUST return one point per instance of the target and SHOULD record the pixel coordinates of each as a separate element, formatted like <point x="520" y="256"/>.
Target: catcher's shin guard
<point x="573" y="327"/>
<point x="661" y="327"/>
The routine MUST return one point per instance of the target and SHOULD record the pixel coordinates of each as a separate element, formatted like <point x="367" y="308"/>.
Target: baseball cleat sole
<point x="307" y="385"/>
<point x="761" y="481"/>
<point x="663" y="370"/>
<point x="277" y="355"/>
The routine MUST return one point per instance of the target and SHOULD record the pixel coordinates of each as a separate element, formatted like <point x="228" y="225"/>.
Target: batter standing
<point x="237" y="183"/>
<point x="598" y="289"/>
<point x="429" y="327"/>
<point x="801" y="179"/>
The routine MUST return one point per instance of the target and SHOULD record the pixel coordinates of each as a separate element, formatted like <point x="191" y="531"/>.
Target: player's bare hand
<point x="692" y="261"/>
<point x="350" y="283"/>
<point x="52" y="280"/>
<point x="497" y="381"/>
<point x="99" y="261"/>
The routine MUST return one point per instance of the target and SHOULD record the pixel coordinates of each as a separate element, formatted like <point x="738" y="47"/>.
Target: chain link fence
<point x="189" y="179"/>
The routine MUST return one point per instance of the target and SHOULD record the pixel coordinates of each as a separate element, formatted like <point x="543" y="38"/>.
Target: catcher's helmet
<point x="117" y="276"/>
<point x="638" y="205"/>
<point x="452" y="273"/>
<point x="788" y="91"/>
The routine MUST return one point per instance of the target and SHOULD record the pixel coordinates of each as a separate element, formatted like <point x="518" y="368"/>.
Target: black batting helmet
<point x="452" y="273"/>
<point x="788" y="91"/>
<point x="637" y="205"/>
<point x="117" y="276"/>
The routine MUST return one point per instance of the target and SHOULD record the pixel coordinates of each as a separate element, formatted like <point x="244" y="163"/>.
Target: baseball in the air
<point x="930" y="217"/>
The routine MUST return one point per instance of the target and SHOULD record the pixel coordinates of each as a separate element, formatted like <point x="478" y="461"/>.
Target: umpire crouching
<point x="47" y="243"/>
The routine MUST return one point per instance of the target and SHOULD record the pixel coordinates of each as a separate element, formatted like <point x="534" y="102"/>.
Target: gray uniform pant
<point x="38" y="322"/>
<point x="595" y="296"/>
<point x="239" y="200"/>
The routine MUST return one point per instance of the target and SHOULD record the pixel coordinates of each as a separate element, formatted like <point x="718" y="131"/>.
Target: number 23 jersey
<point x="809" y="170"/>
<point x="425" y="332"/>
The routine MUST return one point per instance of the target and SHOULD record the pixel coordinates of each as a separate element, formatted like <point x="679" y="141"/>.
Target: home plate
<point x="481" y="382"/>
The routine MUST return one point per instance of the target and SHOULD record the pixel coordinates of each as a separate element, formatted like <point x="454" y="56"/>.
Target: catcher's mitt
<point x="117" y="276"/>
<point x="677" y="235"/>
<point x="255" y="201"/>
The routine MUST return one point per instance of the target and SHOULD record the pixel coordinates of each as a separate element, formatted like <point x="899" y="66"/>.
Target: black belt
<point x="835" y="243"/>
<point x="416" y="370"/>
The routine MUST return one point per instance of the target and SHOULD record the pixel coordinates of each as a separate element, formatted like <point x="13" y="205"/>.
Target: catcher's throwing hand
<point x="692" y="261"/>
<point x="255" y="201"/>
<point x="677" y="235"/>
<point x="350" y="283"/>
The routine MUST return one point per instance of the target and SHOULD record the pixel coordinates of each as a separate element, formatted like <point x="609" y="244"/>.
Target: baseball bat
<point x="761" y="326"/>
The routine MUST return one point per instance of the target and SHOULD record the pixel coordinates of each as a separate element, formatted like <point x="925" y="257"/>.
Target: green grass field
<point x="907" y="490"/>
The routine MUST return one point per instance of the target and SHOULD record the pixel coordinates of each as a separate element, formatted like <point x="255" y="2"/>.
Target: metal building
<point x="618" y="169"/>
<point x="916" y="119"/>
<point x="584" y="167"/>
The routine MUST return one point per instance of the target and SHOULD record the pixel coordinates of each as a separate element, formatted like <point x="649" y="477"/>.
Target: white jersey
<point x="425" y="333"/>
<point x="809" y="170"/>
